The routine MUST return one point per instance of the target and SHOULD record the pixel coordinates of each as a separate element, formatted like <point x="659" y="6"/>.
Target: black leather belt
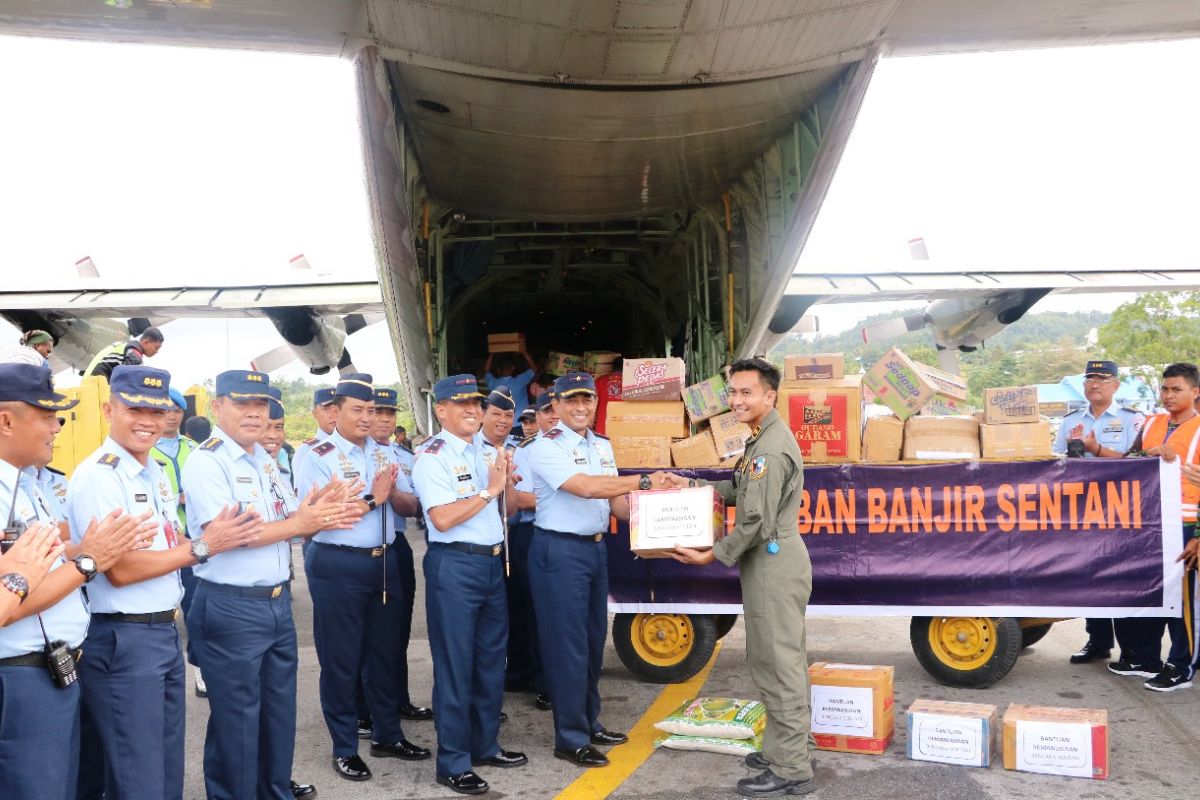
<point x="373" y="552"/>
<point x="154" y="618"/>
<point x="578" y="537"/>
<point x="245" y="591"/>
<point x="473" y="549"/>
<point x="34" y="659"/>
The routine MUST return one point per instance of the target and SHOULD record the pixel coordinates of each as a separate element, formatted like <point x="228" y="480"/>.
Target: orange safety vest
<point x="1185" y="441"/>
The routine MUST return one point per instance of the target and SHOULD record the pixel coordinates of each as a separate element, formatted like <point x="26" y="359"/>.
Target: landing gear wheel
<point x="664" y="648"/>
<point x="974" y="652"/>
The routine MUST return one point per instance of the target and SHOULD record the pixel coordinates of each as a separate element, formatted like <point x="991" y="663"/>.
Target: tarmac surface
<point x="1155" y="738"/>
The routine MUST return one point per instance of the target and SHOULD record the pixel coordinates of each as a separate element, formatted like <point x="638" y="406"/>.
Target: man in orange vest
<point x="1176" y="434"/>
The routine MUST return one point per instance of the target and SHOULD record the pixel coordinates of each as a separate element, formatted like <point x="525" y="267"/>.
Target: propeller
<point x="893" y="328"/>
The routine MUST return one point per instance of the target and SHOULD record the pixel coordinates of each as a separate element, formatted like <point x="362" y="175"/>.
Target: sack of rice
<point x="716" y="717"/>
<point x="712" y="744"/>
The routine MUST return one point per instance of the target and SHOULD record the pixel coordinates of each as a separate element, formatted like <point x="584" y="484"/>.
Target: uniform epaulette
<point x="312" y="442"/>
<point x="528" y="440"/>
<point x="56" y="471"/>
<point x="600" y="436"/>
<point x="434" y="446"/>
<point x="109" y="460"/>
<point x="405" y="448"/>
<point x="323" y="448"/>
<point x="212" y="444"/>
<point x="553" y="433"/>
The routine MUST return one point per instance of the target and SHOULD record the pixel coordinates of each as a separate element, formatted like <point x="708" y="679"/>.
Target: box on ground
<point x="1057" y="741"/>
<point x="706" y="399"/>
<point x="562" y="363"/>
<point x="905" y="386"/>
<point x="622" y="418"/>
<point x="940" y="438"/>
<point x="852" y="707"/>
<point x="652" y="378"/>
<point x="1014" y="404"/>
<point x="642" y="451"/>
<point x="825" y="417"/>
<point x="1018" y="440"/>
<point x="506" y="342"/>
<point x="599" y="362"/>
<point x="695" y="451"/>
<point x="883" y="439"/>
<point x="952" y="733"/>
<point x="659" y="519"/>
<point x="814" y="367"/>
<point x="729" y="435"/>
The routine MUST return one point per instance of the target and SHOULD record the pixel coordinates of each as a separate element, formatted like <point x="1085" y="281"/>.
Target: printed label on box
<point x="1055" y="748"/>
<point x="843" y="710"/>
<point x="824" y="423"/>
<point x="947" y="740"/>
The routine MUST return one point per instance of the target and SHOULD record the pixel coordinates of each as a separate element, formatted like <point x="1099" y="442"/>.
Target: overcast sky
<point x="158" y="161"/>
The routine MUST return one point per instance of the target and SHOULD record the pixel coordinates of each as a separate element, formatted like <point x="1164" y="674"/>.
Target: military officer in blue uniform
<point x="133" y="680"/>
<point x="39" y="715"/>
<point x="1102" y="430"/>
<point x="576" y="486"/>
<point x="241" y="616"/>
<point x="464" y="586"/>
<point x="354" y="579"/>
<point x="324" y="414"/>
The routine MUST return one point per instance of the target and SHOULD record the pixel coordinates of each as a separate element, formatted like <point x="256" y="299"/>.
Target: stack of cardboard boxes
<point x="822" y="407"/>
<point x="651" y="416"/>
<point x="1013" y="426"/>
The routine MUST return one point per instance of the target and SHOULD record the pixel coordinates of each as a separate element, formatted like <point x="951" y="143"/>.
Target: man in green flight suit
<point x="776" y="578"/>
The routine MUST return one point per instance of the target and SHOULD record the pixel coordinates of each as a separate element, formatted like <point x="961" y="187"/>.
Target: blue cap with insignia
<point x="528" y="413"/>
<point x="275" y="407"/>
<point x="545" y="401"/>
<point x="322" y="397"/>
<point x="243" y="384"/>
<point x="574" y="383"/>
<point x="1101" y="368"/>
<point x="178" y="399"/>
<point x="386" y="398"/>
<point x="501" y="398"/>
<point x="28" y="383"/>
<point x="356" y="385"/>
<point x="141" y="387"/>
<point x="456" y="388"/>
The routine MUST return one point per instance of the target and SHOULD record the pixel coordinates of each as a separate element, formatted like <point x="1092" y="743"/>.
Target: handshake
<point x="669" y="480"/>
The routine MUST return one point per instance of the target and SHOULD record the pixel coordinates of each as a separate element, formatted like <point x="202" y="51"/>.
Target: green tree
<point x="1154" y="330"/>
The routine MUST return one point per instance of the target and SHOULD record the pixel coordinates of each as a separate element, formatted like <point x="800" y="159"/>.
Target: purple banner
<point x="1066" y="537"/>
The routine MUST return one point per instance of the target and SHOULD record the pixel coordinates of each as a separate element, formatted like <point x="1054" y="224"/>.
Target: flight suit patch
<point x="757" y="468"/>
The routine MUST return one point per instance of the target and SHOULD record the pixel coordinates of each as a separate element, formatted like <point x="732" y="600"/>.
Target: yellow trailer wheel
<point x="966" y="651"/>
<point x="664" y="648"/>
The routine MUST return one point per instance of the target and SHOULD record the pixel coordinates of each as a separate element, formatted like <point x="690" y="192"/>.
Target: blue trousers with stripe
<point x="39" y="735"/>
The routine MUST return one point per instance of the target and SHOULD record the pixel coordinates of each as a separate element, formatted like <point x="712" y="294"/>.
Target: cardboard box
<point x="883" y="439"/>
<point x="1057" y="741"/>
<point x="695" y="451"/>
<point x="905" y="386"/>
<point x="645" y="379"/>
<point x="599" y="362"/>
<point x="1020" y="440"/>
<point x="642" y="451"/>
<point x="659" y="519"/>
<point x="825" y="417"/>
<point x="706" y="399"/>
<point x="1011" y="405"/>
<point x="852" y="707"/>
<point x="506" y="342"/>
<point x="562" y="363"/>
<point x="814" y="367"/>
<point x="645" y="419"/>
<point x="942" y="406"/>
<point x="941" y="438"/>
<point x="964" y="734"/>
<point x="729" y="435"/>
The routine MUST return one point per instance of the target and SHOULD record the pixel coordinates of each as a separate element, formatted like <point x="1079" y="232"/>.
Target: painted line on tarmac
<point x="599" y="783"/>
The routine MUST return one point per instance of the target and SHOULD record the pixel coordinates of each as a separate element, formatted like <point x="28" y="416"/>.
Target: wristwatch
<point x="86" y="566"/>
<point x="200" y="550"/>
<point x="487" y="496"/>
<point x="15" y="583"/>
<point x="369" y="499"/>
<point x="644" y="482"/>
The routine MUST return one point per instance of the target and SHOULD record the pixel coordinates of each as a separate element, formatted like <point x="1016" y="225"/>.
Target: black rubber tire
<point x="704" y="640"/>
<point x="725" y="623"/>
<point x="1007" y="631"/>
<point x="1033" y="635"/>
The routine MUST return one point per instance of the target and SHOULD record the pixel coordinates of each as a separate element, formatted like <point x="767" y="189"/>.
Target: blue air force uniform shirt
<point x="448" y="470"/>
<point x="53" y="486"/>
<point x="337" y="457"/>
<point x="68" y="618"/>
<point x="111" y="478"/>
<point x="554" y="458"/>
<point x="525" y="475"/>
<point x="1116" y="428"/>
<point x="303" y="450"/>
<point x="221" y="473"/>
<point x="404" y="459"/>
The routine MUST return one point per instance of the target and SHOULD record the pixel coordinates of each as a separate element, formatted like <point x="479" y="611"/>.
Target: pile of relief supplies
<point x="715" y="725"/>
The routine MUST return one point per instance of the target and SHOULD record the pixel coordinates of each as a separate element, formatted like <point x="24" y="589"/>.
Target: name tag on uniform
<point x="349" y="475"/>
<point x="243" y="479"/>
<point x="1116" y="427"/>
<point x="465" y="477"/>
<point x="139" y="498"/>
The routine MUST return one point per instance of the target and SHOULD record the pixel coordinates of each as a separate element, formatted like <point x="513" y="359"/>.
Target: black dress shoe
<point x="365" y="728"/>
<point x="465" y="783"/>
<point x="608" y="737"/>
<point x="503" y="759"/>
<point x="542" y="702"/>
<point x="300" y="790"/>
<point x="503" y="717"/>
<point x="352" y="768"/>
<point x="756" y="761"/>
<point x="768" y="784"/>
<point x="586" y="756"/>
<point x="1089" y="653"/>
<point x="402" y="749"/>
<point x="416" y="713"/>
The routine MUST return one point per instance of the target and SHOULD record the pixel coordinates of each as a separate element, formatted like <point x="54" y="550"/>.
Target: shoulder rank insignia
<point x="312" y="442"/>
<point x="600" y="436"/>
<point x="212" y="444"/>
<point x="528" y="440"/>
<point x="434" y="446"/>
<point x="109" y="460"/>
<point x="757" y="468"/>
<point x="553" y="433"/>
<point x="323" y="448"/>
